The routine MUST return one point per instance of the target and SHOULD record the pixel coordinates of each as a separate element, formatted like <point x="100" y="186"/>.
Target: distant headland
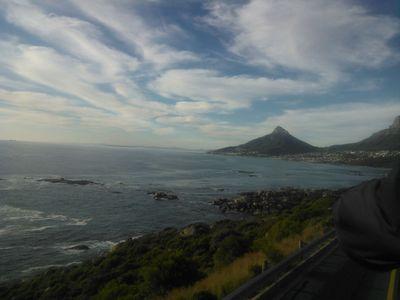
<point x="381" y="149"/>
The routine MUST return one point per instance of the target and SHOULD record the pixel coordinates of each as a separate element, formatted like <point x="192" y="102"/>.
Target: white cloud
<point x="67" y="75"/>
<point x="321" y="37"/>
<point x="74" y="36"/>
<point x="338" y="123"/>
<point x="322" y="126"/>
<point x="47" y="67"/>
<point x="224" y="92"/>
<point x="181" y="120"/>
<point x="164" y="131"/>
<point x="128" y="25"/>
<point x="87" y="70"/>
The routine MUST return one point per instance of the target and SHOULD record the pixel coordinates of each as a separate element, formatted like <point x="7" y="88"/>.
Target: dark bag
<point x="367" y="219"/>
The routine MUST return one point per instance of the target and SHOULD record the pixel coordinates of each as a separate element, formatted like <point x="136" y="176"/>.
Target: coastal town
<point x="381" y="158"/>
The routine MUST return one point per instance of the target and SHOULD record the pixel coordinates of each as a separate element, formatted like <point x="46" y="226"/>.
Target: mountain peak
<point x="279" y="142"/>
<point x="280" y="130"/>
<point x="396" y="123"/>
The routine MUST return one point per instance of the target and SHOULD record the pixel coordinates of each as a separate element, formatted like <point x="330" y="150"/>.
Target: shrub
<point x="229" y="249"/>
<point x="170" y="270"/>
<point x="204" y="295"/>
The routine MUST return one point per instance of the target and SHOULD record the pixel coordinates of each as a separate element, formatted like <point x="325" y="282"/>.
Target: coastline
<point x="195" y="251"/>
<point x="375" y="159"/>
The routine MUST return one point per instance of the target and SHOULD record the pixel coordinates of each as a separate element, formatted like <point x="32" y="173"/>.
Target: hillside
<point x="386" y="139"/>
<point x="279" y="142"/>
<point x="196" y="262"/>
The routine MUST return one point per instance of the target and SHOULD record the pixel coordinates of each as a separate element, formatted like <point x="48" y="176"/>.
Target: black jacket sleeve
<point x="367" y="219"/>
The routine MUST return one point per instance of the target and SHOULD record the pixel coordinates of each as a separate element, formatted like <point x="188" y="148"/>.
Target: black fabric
<point x="367" y="219"/>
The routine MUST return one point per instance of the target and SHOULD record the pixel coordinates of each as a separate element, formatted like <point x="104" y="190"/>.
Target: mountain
<point x="386" y="139"/>
<point x="279" y="142"/>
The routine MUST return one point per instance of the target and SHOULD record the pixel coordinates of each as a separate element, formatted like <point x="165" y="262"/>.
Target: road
<point x="337" y="277"/>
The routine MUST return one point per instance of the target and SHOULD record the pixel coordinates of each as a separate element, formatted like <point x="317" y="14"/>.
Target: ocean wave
<point x="92" y="245"/>
<point x="39" y="228"/>
<point x="7" y="230"/>
<point x="79" y="222"/>
<point x="8" y="212"/>
<point x="6" y="248"/>
<point x="11" y="213"/>
<point x="39" y="268"/>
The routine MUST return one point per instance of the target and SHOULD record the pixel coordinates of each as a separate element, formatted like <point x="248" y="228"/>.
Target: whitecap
<point x="93" y="245"/>
<point x="8" y="229"/>
<point x="8" y="212"/>
<point x="39" y="228"/>
<point x="11" y="213"/>
<point x="79" y="222"/>
<point x="6" y="248"/>
<point x="57" y="217"/>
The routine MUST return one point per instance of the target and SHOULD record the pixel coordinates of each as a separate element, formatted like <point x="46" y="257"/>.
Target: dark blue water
<point x="40" y="221"/>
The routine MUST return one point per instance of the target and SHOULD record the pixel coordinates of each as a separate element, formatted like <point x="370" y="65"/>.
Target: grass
<point x="224" y="280"/>
<point x="290" y="244"/>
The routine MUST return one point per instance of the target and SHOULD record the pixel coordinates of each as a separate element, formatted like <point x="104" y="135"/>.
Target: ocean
<point x="41" y="223"/>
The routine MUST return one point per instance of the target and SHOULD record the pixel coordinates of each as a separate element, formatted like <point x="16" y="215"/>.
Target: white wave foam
<point x="8" y="212"/>
<point x="79" y="222"/>
<point x="11" y="213"/>
<point x="93" y="245"/>
<point x="39" y="228"/>
<point x="8" y="229"/>
<point x="6" y="248"/>
<point x="57" y="217"/>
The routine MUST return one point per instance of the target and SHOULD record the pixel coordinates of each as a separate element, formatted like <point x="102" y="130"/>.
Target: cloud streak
<point x="326" y="38"/>
<point x="211" y="77"/>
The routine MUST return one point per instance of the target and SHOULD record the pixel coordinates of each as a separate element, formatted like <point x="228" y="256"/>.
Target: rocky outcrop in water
<point x="163" y="196"/>
<point x="67" y="181"/>
<point x="272" y="201"/>
<point x="79" y="248"/>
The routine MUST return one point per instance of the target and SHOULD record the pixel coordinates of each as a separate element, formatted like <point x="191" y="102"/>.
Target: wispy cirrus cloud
<point x="226" y="92"/>
<point x="322" y="126"/>
<point x="327" y="38"/>
<point x="129" y="27"/>
<point x="143" y="72"/>
<point x="73" y="36"/>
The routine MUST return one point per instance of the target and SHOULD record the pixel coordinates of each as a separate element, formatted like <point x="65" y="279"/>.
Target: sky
<point x="195" y="73"/>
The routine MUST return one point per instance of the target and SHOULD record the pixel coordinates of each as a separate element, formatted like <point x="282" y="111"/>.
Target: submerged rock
<point x="79" y="247"/>
<point x="67" y="181"/>
<point x="163" y="196"/>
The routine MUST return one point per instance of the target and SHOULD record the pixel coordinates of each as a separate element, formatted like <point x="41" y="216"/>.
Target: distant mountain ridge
<point x="281" y="142"/>
<point x="386" y="139"/>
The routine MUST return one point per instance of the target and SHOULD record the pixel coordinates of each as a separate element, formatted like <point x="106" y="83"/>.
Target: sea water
<point x="42" y="222"/>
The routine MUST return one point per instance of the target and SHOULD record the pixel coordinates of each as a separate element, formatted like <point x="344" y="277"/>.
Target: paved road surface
<point x="339" y="278"/>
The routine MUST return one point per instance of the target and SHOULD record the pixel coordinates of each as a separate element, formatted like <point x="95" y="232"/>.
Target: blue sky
<point x="197" y="74"/>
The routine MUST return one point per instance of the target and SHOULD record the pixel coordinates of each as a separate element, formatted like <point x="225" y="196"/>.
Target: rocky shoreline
<point x="266" y="202"/>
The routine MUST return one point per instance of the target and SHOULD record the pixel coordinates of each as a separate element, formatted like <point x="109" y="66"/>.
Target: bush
<point x="229" y="249"/>
<point x="204" y="295"/>
<point x="170" y="270"/>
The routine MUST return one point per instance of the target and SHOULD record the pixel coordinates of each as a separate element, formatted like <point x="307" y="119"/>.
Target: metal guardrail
<point x="270" y="276"/>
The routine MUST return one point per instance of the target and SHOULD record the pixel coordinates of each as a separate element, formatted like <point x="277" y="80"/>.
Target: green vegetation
<point x="198" y="262"/>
